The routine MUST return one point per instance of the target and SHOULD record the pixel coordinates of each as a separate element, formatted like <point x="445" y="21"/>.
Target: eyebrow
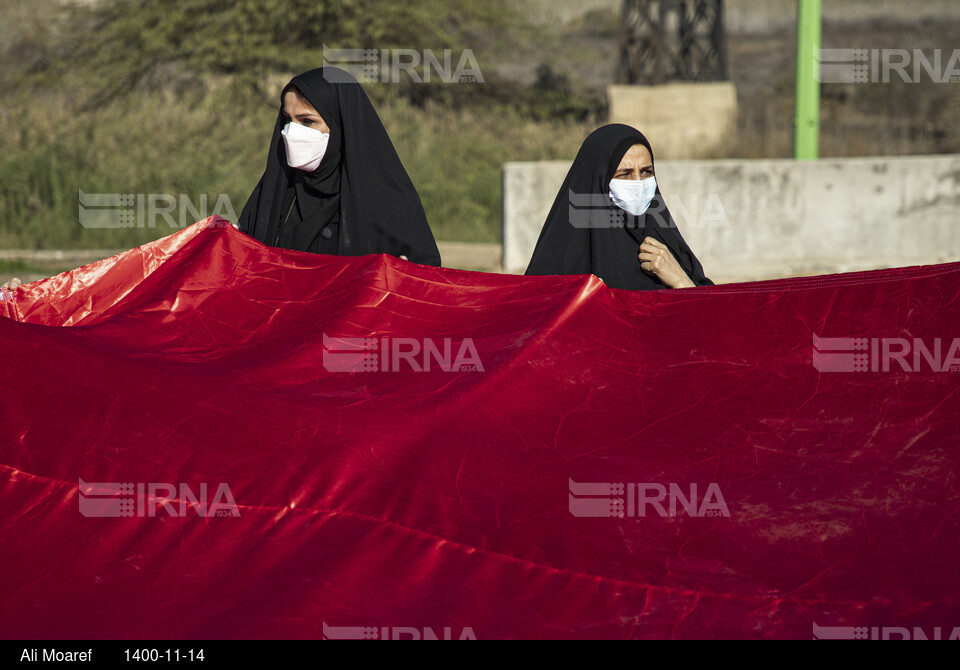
<point x="639" y="169"/>
<point x="286" y="113"/>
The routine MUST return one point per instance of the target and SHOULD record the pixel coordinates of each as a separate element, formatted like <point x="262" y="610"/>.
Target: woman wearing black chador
<point x="609" y="219"/>
<point x="334" y="183"/>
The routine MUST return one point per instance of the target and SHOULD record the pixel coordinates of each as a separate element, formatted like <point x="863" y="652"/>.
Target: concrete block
<point x="680" y="120"/>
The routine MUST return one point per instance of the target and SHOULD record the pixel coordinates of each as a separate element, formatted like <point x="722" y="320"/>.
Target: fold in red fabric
<point x="209" y="438"/>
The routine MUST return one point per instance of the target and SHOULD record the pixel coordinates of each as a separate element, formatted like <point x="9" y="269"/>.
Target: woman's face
<point x="636" y="164"/>
<point x="298" y="111"/>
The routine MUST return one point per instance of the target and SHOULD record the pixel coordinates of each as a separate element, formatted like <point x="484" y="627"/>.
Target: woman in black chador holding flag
<point x="610" y="220"/>
<point x="334" y="183"/>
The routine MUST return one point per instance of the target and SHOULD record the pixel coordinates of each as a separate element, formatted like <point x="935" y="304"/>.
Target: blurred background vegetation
<point x="180" y="96"/>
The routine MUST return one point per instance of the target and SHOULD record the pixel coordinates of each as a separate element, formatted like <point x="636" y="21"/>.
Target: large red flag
<point x="209" y="438"/>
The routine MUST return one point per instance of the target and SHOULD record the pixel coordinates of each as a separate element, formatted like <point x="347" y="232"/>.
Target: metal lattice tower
<point x="672" y="40"/>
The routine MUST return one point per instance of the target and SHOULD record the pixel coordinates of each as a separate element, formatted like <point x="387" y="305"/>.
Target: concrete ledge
<point x="471" y="256"/>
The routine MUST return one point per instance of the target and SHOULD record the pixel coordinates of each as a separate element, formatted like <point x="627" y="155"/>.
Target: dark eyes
<point x="646" y="172"/>
<point x="305" y="122"/>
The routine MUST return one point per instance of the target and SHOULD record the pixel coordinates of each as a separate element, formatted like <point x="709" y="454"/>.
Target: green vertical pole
<point x="806" y="136"/>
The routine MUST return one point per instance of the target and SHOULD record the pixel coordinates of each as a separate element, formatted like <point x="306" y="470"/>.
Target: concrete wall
<point x="751" y="220"/>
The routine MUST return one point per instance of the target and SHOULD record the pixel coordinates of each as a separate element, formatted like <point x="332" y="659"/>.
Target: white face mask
<point x="633" y="195"/>
<point x="305" y="146"/>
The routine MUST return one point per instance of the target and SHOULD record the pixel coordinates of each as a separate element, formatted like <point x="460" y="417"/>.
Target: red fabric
<point x="441" y="499"/>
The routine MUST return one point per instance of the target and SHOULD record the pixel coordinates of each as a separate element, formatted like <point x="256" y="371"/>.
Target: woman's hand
<point x="11" y="285"/>
<point x="657" y="260"/>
